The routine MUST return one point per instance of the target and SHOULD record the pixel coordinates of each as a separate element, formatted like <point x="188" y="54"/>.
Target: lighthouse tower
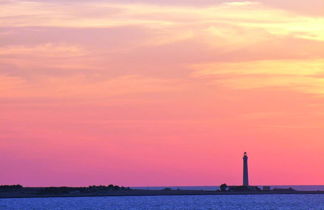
<point x="245" y="170"/>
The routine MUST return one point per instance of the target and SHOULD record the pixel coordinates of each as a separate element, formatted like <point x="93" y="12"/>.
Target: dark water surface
<point x="168" y="202"/>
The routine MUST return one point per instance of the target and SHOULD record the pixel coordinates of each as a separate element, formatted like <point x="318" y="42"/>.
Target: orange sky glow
<point x="161" y="92"/>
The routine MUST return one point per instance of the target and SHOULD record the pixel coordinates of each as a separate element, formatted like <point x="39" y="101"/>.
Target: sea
<point x="188" y="202"/>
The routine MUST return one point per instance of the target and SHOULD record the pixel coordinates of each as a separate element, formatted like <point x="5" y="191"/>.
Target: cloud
<point x="160" y="38"/>
<point x="80" y="86"/>
<point x="299" y="75"/>
<point x="311" y="7"/>
<point x="30" y="61"/>
<point x="102" y="14"/>
<point x="266" y="68"/>
<point x="9" y="83"/>
<point x="43" y="50"/>
<point x="241" y="3"/>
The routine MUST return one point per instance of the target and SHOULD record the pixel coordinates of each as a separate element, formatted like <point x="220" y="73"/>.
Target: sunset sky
<point x="161" y="92"/>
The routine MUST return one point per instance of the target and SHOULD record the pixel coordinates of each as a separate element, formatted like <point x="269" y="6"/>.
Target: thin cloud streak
<point x="247" y="14"/>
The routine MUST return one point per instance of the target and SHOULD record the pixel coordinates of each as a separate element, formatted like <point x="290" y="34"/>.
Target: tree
<point x="223" y="187"/>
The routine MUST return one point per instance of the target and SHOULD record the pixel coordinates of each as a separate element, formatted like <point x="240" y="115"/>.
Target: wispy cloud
<point x="80" y="86"/>
<point x="225" y="32"/>
<point x="301" y="75"/>
<point x="43" y="50"/>
<point x="243" y="14"/>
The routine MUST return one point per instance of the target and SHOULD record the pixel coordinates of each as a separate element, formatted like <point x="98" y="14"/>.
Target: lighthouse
<point x="245" y="170"/>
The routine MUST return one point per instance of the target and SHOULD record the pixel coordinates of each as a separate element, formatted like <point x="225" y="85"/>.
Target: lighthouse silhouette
<point x="245" y="170"/>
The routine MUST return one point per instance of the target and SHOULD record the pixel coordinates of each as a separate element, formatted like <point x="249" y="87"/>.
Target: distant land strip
<point x="17" y="191"/>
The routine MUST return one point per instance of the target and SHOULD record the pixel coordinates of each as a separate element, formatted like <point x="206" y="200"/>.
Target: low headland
<point x="18" y="191"/>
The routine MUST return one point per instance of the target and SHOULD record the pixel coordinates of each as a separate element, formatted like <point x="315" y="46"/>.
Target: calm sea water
<point x="203" y="202"/>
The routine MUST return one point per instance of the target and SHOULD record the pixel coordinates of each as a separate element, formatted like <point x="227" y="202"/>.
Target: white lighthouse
<point x="245" y="170"/>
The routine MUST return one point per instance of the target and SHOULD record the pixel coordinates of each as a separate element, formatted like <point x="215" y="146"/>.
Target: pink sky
<point x="150" y="93"/>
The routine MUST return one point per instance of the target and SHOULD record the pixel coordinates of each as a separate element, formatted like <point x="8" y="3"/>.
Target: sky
<point x="161" y="92"/>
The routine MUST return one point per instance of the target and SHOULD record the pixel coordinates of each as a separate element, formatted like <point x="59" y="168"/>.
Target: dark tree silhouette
<point x="223" y="187"/>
